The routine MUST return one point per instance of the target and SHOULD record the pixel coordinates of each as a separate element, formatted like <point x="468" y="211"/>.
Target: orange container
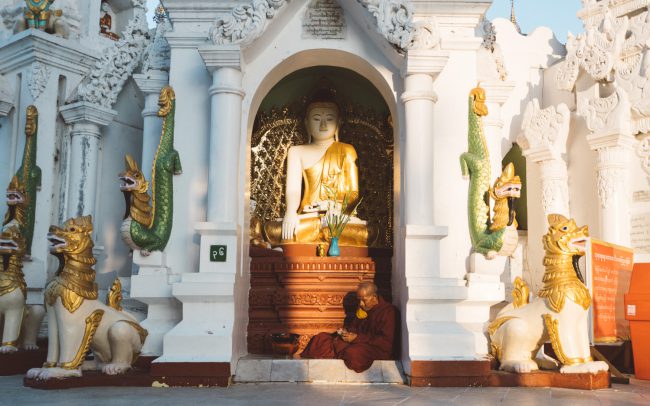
<point x="637" y="311"/>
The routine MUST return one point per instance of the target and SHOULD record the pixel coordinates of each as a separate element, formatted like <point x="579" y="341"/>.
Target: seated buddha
<point x="327" y="168"/>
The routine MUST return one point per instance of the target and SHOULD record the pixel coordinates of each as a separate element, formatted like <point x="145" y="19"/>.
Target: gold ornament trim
<point x="554" y="336"/>
<point x="11" y="343"/>
<point x="142" y="332"/>
<point x="520" y="293"/>
<point x="92" y="322"/>
<point x="49" y="364"/>
<point x="494" y="326"/>
<point x="115" y="295"/>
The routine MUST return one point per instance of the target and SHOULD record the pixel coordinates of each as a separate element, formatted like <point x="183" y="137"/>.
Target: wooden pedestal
<point x="21" y="361"/>
<point x="306" y="295"/>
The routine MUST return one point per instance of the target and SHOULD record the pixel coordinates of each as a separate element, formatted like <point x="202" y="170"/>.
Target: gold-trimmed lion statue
<point x="558" y="314"/>
<point x="13" y="290"/>
<point x="77" y="321"/>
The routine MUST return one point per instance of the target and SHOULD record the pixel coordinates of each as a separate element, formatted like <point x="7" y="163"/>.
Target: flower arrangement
<point x="338" y="215"/>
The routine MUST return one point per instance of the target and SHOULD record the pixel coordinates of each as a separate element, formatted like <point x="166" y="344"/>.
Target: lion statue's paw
<point x="547" y="363"/>
<point x="33" y="373"/>
<point x="52" y="373"/>
<point x="8" y="349"/>
<point x="519" y="366"/>
<point x="115" y="369"/>
<point x="30" y="347"/>
<point x="588" y="367"/>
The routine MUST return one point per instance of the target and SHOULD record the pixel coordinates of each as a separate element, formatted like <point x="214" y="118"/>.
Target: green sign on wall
<point x="218" y="253"/>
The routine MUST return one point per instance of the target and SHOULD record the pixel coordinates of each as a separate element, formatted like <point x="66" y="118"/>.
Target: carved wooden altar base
<point x="306" y="295"/>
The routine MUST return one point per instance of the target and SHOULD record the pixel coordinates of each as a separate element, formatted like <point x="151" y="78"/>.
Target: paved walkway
<point x="283" y="394"/>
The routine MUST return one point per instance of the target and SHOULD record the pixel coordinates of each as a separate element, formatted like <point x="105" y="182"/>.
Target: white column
<point x="609" y="121"/>
<point x="543" y="138"/>
<point x="87" y="120"/>
<point x="205" y="333"/>
<point x="419" y="100"/>
<point x="150" y="84"/>
<point x="613" y="188"/>
<point x="225" y="129"/>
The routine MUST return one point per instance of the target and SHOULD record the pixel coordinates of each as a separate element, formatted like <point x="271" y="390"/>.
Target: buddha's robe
<point x="336" y="172"/>
<point x="374" y="341"/>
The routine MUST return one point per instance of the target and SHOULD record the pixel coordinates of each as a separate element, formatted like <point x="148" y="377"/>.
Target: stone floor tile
<point x="289" y="370"/>
<point x="253" y="370"/>
<point x="372" y="374"/>
<point x="328" y="370"/>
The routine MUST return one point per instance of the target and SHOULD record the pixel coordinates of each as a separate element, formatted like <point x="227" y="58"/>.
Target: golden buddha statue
<point x="327" y="168"/>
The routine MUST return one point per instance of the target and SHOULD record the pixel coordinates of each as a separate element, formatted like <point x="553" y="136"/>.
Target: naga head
<point x="12" y="242"/>
<point x="565" y="237"/>
<point x="166" y="101"/>
<point x="74" y="238"/>
<point x="508" y="185"/>
<point x="31" y="122"/>
<point x="132" y="178"/>
<point x="16" y="193"/>
<point x="478" y="101"/>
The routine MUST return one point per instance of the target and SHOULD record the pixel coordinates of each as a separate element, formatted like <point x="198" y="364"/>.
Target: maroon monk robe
<point x="374" y="339"/>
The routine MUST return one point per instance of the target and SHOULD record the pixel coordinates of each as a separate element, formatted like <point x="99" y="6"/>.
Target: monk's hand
<point x="348" y="337"/>
<point x="289" y="226"/>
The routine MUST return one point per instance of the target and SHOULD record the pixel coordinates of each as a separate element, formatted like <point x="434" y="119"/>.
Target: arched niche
<point x="517" y="158"/>
<point x="366" y="124"/>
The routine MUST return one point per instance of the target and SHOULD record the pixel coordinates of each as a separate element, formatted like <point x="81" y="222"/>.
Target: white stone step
<point x="255" y="369"/>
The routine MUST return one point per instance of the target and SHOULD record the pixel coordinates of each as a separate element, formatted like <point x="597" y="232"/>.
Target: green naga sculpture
<point x="496" y="236"/>
<point x="21" y="193"/>
<point x="147" y="223"/>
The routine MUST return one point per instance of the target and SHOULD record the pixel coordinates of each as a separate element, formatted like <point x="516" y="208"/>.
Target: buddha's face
<point x="322" y="121"/>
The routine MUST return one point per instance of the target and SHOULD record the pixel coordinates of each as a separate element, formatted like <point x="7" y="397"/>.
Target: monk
<point x="367" y="338"/>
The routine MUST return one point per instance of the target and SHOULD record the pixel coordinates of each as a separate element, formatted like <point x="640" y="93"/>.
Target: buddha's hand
<point x="289" y="226"/>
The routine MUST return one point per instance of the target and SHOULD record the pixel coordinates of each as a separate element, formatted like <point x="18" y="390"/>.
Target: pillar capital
<point x="216" y="57"/>
<point x="544" y="132"/>
<point x="5" y="107"/>
<point x="152" y="81"/>
<point x="424" y="61"/>
<point x="87" y="113"/>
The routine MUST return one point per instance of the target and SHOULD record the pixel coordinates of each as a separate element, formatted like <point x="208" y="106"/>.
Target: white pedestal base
<point x="153" y="286"/>
<point x="205" y="333"/>
<point x="445" y="317"/>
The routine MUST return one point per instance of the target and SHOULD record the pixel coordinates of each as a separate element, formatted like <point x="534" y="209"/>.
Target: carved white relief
<point x="643" y="151"/>
<point x="609" y="184"/>
<point x="596" y="51"/>
<point x="245" y="22"/>
<point x="9" y="14"/>
<point x="157" y="56"/>
<point x="37" y="79"/>
<point x="395" y="23"/>
<point x="607" y="113"/>
<point x="545" y="128"/>
<point x="489" y="34"/>
<point x="555" y="195"/>
<point x="118" y="62"/>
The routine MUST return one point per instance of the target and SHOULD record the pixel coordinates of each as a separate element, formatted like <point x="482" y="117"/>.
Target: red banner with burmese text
<point x="611" y="269"/>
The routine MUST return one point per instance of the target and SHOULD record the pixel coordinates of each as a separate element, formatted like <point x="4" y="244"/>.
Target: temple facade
<point x="571" y="118"/>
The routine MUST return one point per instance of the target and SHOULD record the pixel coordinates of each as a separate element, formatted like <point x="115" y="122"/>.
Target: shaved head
<point x="369" y="288"/>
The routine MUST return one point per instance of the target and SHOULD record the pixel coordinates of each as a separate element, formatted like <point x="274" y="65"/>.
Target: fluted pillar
<point x="609" y="121"/>
<point x="543" y="140"/>
<point x="86" y="120"/>
<point x="150" y="84"/>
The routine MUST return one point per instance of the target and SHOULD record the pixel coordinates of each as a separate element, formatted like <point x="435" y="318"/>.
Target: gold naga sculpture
<point x="77" y="321"/>
<point x="328" y="170"/>
<point x="558" y="314"/>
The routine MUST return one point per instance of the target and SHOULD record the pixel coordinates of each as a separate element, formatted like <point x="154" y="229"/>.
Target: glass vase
<point x="334" y="247"/>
